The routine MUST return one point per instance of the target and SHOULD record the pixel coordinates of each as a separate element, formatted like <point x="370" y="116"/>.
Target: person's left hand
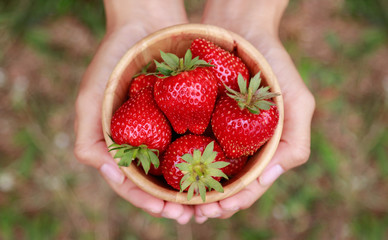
<point x="258" y="22"/>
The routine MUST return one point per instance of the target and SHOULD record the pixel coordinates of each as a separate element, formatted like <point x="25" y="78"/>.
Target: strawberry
<point x="186" y="93"/>
<point x="243" y="121"/>
<point x="192" y="163"/>
<point x="139" y="129"/>
<point x="227" y="66"/>
<point x="141" y="81"/>
<point x="235" y="166"/>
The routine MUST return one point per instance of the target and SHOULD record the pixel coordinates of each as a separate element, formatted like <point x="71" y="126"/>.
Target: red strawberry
<point x="243" y="121"/>
<point x="139" y="129"/>
<point x="235" y="166"/>
<point x="227" y="66"/>
<point x="141" y="81"/>
<point x="187" y="92"/>
<point x="192" y="163"/>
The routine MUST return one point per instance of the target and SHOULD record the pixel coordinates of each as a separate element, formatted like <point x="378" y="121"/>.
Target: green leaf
<point x="119" y="153"/>
<point x="196" y="155"/>
<point x="114" y="146"/>
<point x="208" y="150"/>
<point x="188" y="57"/>
<point x="126" y="160"/>
<point x="185" y="182"/>
<point x="211" y="158"/>
<point x="184" y="167"/>
<point x="188" y="158"/>
<point x="255" y="82"/>
<point x="253" y="110"/>
<point x="219" y="164"/>
<point x="202" y="191"/>
<point x="217" y="173"/>
<point x="203" y="63"/>
<point x="190" y="192"/>
<point x="263" y="105"/>
<point x="170" y="59"/>
<point x="154" y="159"/>
<point x="144" y="161"/>
<point x="242" y="84"/>
<point x="163" y="68"/>
<point x="230" y="92"/>
<point x="214" y="184"/>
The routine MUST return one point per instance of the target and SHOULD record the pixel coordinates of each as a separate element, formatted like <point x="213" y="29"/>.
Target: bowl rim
<point x="236" y="183"/>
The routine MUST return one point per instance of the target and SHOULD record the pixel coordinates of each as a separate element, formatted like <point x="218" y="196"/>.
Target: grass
<point x="340" y="193"/>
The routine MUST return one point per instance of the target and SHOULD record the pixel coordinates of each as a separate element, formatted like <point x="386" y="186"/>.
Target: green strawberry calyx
<point x="254" y="98"/>
<point x="199" y="170"/>
<point x="128" y="153"/>
<point x="173" y="65"/>
<point x="143" y="71"/>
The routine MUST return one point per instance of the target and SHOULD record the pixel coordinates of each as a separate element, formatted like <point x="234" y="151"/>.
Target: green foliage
<point x="379" y="152"/>
<point x="369" y="226"/>
<point x="328" y="155"/>
<point x="255" y="234"/>
<point x="20" y="16"/>
<point x="15" y="223"/>
<point x="373" y="11"/>
<point x="369" y="41"/>
<point x="316" y="73"/>
<point x="31" y="150"/>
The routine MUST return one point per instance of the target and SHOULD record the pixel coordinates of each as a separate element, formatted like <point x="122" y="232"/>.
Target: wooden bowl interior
<point x="177" y="40"/>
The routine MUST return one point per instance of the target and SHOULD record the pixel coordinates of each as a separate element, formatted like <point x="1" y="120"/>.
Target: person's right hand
<point x="127" y="22"/>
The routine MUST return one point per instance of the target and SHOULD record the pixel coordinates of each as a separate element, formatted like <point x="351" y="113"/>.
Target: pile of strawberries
<point x="195" y="120"/>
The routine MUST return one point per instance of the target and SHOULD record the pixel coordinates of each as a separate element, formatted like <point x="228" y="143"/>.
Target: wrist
<point x="150" y="15"/>
<point x="246" y="17"/>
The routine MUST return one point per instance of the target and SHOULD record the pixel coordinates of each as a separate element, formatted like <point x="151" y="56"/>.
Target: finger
<point x="111" y="171"/>
<point x="215" y="210"/>
<point x="295" y="138"/>
<point x="294" y="148"/>
<point x="210" y="210"/>
<point x="188" y="213"/>
<point x="199" y="218"/>
<point x="133" y="194"/>
<point x="94" y="154"/>
<point x="172" y="210"/>
<point x="227" y="214"/>
<point x="245" y="198"/>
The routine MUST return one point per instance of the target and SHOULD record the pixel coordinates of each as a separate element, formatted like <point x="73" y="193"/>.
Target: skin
<point x="130" y="20"/>
<point x="258" y="22"/>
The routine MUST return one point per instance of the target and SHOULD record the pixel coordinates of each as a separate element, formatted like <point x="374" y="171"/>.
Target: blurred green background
<point x="341" y="50"/>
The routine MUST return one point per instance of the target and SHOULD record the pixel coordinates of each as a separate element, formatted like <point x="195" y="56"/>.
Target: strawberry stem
<point x="252" y="98"/>
<point x="128" y="153"/>
<point x="199" y="170"/>
<point x="172" y="65"/>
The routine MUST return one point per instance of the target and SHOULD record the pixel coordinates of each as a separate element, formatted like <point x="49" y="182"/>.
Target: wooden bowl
<point x="177" y="39"/>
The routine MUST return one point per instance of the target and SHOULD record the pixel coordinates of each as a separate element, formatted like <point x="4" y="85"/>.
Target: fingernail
<point x="200" y="220"/>
<point x="270" y="175"/>
<point x="153" y="210"/>
<point x="183" y="220"/>
<point x="112" y="172"/>
<point x="232" y="208"/>
<point x="215" y="215"/>
<point x="169" y="215"/>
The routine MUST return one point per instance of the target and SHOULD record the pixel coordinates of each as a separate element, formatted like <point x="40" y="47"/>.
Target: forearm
<point x="245" y="17"/>
<point x="149" y="14"/>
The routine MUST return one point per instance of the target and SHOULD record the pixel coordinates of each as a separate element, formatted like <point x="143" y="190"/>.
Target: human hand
<point x="127" y="22"/>
<point x="258" y="22"/>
